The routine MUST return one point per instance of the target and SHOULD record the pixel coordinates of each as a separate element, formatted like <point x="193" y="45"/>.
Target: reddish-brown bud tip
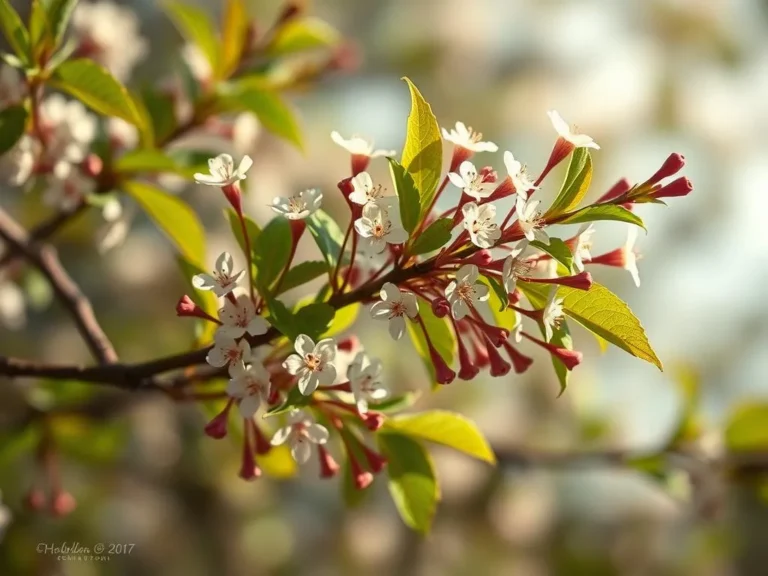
<point x="520" y="362"/>
<point x="376" y="462"/>
<point x="570" y="358"/>
<point x="374" y="421"/>
<point x="515" y="297"/>
<point x="363" y="479"/>
<point x="232" y="194"/>
<point x="680" y="187"/>
<point x="92" y="165"/>
<point x="186" y="307"/>
<point x="263" y="445"/>
<point x="35" y="500"/>
<point x="349" y="344"/>
<point x="488" y="175"/>
<point x="581" y="281"/>
<point x="621" y="187"/>
<point x="217" y="427"/>
<point x="481" y="258"/>
<point x="440" y="307"/>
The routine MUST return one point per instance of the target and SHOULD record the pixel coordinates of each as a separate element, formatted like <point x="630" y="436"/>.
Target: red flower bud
<point x="35" y="500"/>
<point x="349" y="344"/>
<point x="570" y="358"/>
<point x="560" y="152"/>
<point x="374" y="420"/>
<point x="328" y="466"/>
<point x="187" y="308"/>
<point x="621" y="187"/>
<point x="217" y="427"/>
<point x="482" y="258"/>
<point x="680" y="187"/>
<point x="499" y="366"/>
<point x="376" y="462"/>
<point x="248" y="468"/>
<point x="467" y="370"/>
<point x="63" y="504"/>
<point x="515" y="297"/>
<point x="443" y="372"/>
<point x="361" y="478"/>
<point x="232" y="194"/>
<point x="672" y="165"/>
<point x="496" y="335"/>
<point x="440" y="307"/>
<point x="488" y="175"/>
<point x="263" y="445"/>
<point x="520" y="362"/>
<point x="92" y="165"/>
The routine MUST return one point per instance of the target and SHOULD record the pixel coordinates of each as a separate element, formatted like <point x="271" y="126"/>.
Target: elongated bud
<point x="481" y="258"/>
<point x="187" y="308"/>
<point x="328" y="466"/>
<point x="520" y="362"/>
<point x="515" y="297"/>
<point x="248" y="468"/>
<point x="373" y="420"/>
<point x="443" y="372"/>
<point x="263" y="445"/>
<point x="481" y="355"/>
<point x="505" y="188"/>
<point x="63" y="504"/>
<point x="233" y="196"/>
<point x="467" y="369"/>
<point x="488" y="175"/>
<point x="376" y="462"/>
<point x="581" y="281"/>
<point x="217" y="427"/>
<point x="672" y="165"/>
<point x="680" y="187"/>
<point x="361" y="478"/>
<point x="499" y="366"/>
<point x="560" y="151"/>
<point x="497" y="336"/>
<point x="569" y="358"/>
<point x="621" y="187"/>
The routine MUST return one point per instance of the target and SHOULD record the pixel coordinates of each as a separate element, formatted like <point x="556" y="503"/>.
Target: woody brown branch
<point x="44" y="257"/>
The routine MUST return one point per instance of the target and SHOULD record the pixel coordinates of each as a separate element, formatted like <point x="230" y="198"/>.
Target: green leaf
<point x="13" y="121"/>
<point x="14" y="31"/>
<point x="412" y="480"/>
<point x="314" y="319"/>
<point x="161" y="110"/>
<point x="408" y="195"/>
<point x="577" y="181"/>
<point x="59" y="13"/>
<point x="328" y="237"/>
<point x="294" y="399"/>
<point x="96" y="88"/>
<point x="440" y="334"/>
<point x="604" y="212"/>
<point x="302" y="273"/>
<point x="145" y="160"/>
<point x="558" y="250"/>
<point x="344" y="318"/>
<point x="396" y="403"/>
<point x="271" y="250"/>
<point x="174" y="217"/>
<point x="447" y="428"/>
<point x="437" y="235"/>
<point x="197" y="28"/>
<point x="38" y="29"/>
<point x="234" y="34"/>
<point x="561" y="337"/>
<point x="747" y="428"/>
<point x="301" y="34"/>
<point x="501" y="296"/>
<point x="602" y="312"/>
<point x="423" y="149"/>
<point x="252" y="96"/>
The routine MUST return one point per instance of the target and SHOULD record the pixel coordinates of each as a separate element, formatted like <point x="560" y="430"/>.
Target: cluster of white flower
<point x="5" y="518"/>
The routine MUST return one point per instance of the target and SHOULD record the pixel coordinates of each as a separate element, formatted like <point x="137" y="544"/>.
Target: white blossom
<point x="478" y="221"/>
<point x="364" y="376"/>
<point x="359" y="146"/>
<point x="313" y="363"/>
<point x="394" y="306"/>
<point x="570" y="135"/>
<point x="552" y="315"/>
<point x="240" y="317"/>
<point x="300" y="206"/>
<point x="223" y="172"/>
<point x="465" y="291"/>
<point x="115" y="229"/>
<point x="364" y="192"/>
<point x="379" y="229"/>
<point x="530" y="220"/>
<point x="519" y="175"/>
<point x="250" y="385"/>
<point x="228" y="352"/>
<point x="67" y="186"/>
<point x="109" y="34"/>
<point x="18" y="164"/>
<point x="13" y="309"/>
<point x="582" y="246"/>
<point x="300" y="432"/>
<point x="630" y="255"/>
<point x="246" y="130"/>
<point x="68" y="128"/>
<point x="197" y="62"/>
<point x="223" y="280"/>
<point x="468" y="139"/>
<point x="470" y="182"/>
<point x="515" y="266"/>
<point x="122" y="133"/>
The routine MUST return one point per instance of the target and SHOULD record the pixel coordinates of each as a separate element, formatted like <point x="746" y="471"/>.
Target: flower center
<point x="380" y="229"/>
<point x="233" y="354"/>
<point x="313" y="362"/>
<point x="520" y="268"/>
<point x="222" y="278"/>
<point x="253" y="387"/>
<point x="397" y="309"/>
<point x="465" y="291"/>
<point x="296" y="205"/>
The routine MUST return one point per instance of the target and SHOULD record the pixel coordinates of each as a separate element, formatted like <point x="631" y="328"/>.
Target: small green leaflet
<point x="59" y="13"/>
<point x="408" y="195"/>
<point x="299" y="34"/>
<point x="558" y="250"/>
<point x="577" y="181"/>
<point x="145" y="160"/>
<point x="437" y="235"/>
<point x="13" y="120"/>
<point x="197" y="28"/>
<point x="294" y="399"/>
<point x="301" y="274"/>
<point x="271" y="250"/>
<point x="312" y="320"/>
<point x="14" y="31"/>
<point x="604" y="212"/>
<point x="328" y="237"/>
<point x="234" y="34"/>
<point x="412" y="479"/>
<point x="423" y="149"/>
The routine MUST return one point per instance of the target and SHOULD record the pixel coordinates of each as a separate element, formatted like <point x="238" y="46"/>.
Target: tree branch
<point x="45" y="259"/>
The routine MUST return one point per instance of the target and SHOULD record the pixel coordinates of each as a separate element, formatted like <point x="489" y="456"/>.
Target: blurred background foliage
<point x="644" y="78"/>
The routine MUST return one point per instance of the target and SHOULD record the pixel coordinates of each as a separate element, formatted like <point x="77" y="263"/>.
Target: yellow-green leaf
<point x="600" y="311"/>
<point x="423" y="150"/>
<point x="145" y="160"/>
<point x="604" y="212"/>
<point x="412" y="480"/>
<point x="301" y="34"/>
<point x="747" y="428"/>
<point x="577" y="181"/>
<point x="14" y="30"/>
<point x="174" y="217"/>
<point x="12" y="123"/>
<point x="344" y="318"/>
<point x="234" y="34"/>
<point x="447" y="428"/>
<point x="96" y="88"/>
<point x="196" y="27"/>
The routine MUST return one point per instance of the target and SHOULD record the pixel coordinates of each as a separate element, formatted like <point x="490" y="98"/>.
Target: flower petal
<point x="397" y="327"/>
<point x="281" y="435"/>
<point x="317" y="433"/>
<point x="293" y="364"/>
<point x="249" y="406"/>
<point x="300" y="450"/>
<point x="304" y="345"/>
<point x="308" y="382"/>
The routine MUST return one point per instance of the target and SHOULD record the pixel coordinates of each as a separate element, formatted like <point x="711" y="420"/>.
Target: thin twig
<point x="45" y="259"/>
